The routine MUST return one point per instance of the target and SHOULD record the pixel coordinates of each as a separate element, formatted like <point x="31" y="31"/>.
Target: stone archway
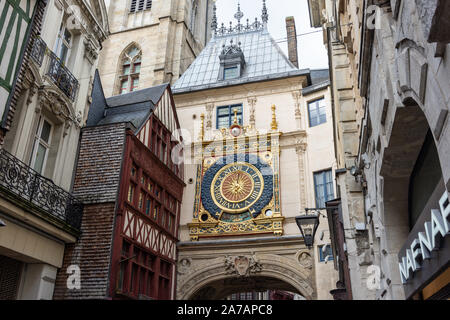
<point x="408" y="135"/>
<point x="250" y="269"/>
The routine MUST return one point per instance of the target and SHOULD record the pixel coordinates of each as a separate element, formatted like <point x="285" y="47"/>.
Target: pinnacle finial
<point x="202" y="127"/>
<point x="265" y="15"/>
<point x="214" y="20"/>
<point x="274" y="124"/>
<point x="235" y="116"/>
<point x="239" y="14"/>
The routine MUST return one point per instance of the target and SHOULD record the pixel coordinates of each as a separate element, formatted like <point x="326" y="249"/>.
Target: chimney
<point x="292" y="40"/>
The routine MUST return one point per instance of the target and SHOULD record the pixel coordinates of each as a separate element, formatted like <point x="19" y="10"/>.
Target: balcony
<point x="55" y="69"/>
<point x="27" y="188"/>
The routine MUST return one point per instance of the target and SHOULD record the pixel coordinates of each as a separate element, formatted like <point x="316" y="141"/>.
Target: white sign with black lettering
<point x="428" y="241"/>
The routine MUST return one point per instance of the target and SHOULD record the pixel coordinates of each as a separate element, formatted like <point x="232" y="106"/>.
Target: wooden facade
<point x="146" y="232"/>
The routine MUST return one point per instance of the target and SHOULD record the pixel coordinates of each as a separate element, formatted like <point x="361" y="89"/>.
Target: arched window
<point x="130" y="70"/>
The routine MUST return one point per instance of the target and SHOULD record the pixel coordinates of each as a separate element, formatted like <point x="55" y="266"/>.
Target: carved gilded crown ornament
<point x="237" y="188"/>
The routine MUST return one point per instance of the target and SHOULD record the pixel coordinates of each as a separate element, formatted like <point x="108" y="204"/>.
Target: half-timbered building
<point x="132" y="189"/>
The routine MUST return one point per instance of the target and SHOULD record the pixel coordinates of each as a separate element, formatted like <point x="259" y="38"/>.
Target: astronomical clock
<point x="237" y="183"/>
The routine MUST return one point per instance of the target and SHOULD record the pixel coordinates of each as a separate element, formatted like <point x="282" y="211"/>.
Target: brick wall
<point x="100" y="159"/>
<point x="91" y="253"/>
<point x="96" y="183"/>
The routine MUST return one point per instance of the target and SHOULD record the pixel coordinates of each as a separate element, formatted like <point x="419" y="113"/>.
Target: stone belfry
<point x="152" y="42"/>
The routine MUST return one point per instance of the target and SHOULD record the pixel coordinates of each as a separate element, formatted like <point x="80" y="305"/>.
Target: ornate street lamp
<point x="308" y="224"/>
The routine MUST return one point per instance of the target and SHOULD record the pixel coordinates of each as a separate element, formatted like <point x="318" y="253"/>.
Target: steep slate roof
<point x="263" y="57"/>
<point x="134" y="107"/>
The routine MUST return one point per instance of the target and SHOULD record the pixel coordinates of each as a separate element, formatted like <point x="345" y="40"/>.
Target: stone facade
<point x="391" y="85"/>
<point x="304" y="150"/>
<point x="169" y="35"/>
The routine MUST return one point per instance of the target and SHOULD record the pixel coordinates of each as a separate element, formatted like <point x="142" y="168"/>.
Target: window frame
<point x="60" y="40"/>
<point x="230" y="114"/>
<point x="324" y="184"/>
<point x="38" y="140"/>
<point x="236" y="68"/>
<point x="317" y="109"/>
<point x="321" y="255"/>
<point x="130" y="77"/>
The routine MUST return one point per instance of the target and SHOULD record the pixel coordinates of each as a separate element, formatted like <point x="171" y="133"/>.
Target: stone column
<point x="301" y="153"/>
<point x="298" y="116"/>
<point x="252" y="102"/>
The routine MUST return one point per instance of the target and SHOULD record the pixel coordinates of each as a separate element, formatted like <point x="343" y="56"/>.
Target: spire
<point x="265" y="15"/>
<point x="214" y="20"/>
<point x="240" y="27"/>
<point x="238" y="16"/>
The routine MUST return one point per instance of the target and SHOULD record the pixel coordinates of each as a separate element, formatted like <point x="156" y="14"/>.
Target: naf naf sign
<point x="424" y="247"/>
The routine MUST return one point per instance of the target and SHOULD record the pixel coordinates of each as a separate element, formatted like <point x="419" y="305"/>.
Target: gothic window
<point x="225" y="115"/>
<point x="140" y="5"/>
<point x="317" y="112"/>
<point x="130" y="71"/>
<point x="323" y="185"/>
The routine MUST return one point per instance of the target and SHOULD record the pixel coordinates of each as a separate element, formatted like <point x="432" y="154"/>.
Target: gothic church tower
<point x="152" y="42"/>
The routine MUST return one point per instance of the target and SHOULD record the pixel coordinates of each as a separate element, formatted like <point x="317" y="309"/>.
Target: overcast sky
<point x="311" y="51"/>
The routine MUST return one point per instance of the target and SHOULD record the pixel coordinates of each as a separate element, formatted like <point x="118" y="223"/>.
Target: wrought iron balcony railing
<point x="38" y="50"/>
<point x="29" y="186"/>
<point x="62" y="77"/>
<point x="57" y="72"/>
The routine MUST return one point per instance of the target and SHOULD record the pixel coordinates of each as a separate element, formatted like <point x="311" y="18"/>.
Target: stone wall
<point x="164" y="35"/>
<point x="409" y="94"/>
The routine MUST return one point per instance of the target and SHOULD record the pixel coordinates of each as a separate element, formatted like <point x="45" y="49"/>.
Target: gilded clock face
<point x="239" y="185"/>
<point x="236" y="187"/>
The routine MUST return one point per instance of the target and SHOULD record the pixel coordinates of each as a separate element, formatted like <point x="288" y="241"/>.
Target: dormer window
<point x="232" y="62"/>
<point x="230" y="73"/>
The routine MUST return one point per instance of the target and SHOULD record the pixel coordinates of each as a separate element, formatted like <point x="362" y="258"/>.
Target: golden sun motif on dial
<point x="237" y="187"/>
